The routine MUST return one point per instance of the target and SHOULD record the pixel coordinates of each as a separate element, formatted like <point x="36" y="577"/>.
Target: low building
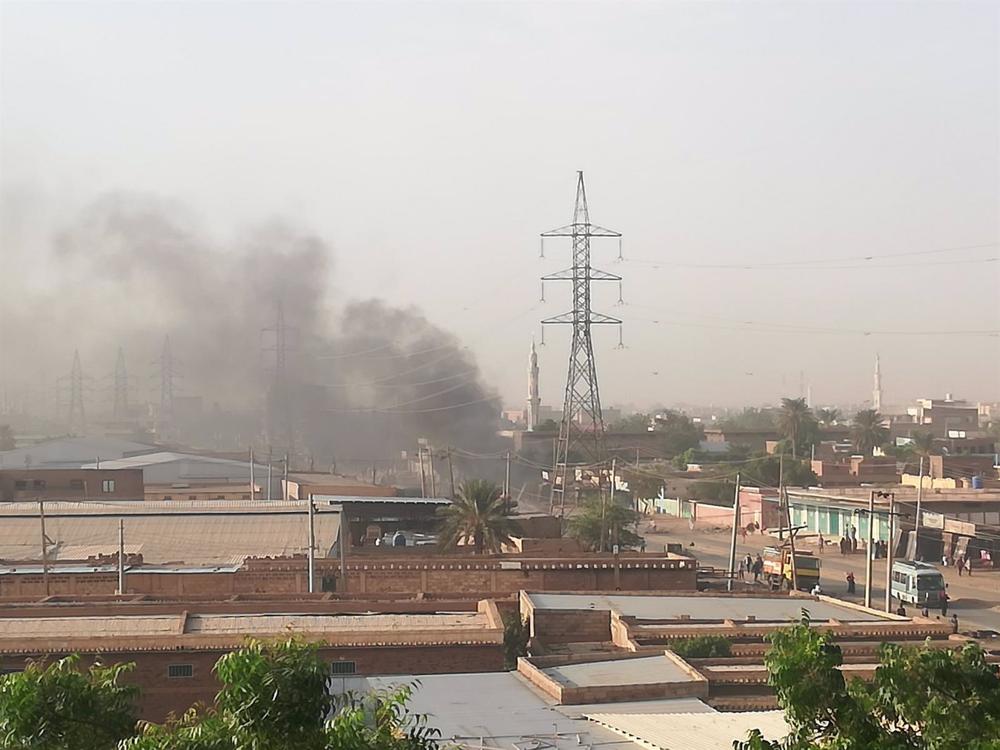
<point x="72" y="453"/>
<point x="855" y="470"/>
<point x="175" y="644"/>
<point x="70" y="484"/>
<point x="303" y="485"/>
<point x="182" y="470"/>
<point x="942" y="417"/>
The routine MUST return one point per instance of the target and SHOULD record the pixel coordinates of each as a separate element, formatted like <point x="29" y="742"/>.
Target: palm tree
<point x="478" y="513"/>
<point x="794" y="419"/>
<point x="828" y="417"/>
<point x="868" y="432"/>
<point x="922" y="443"/>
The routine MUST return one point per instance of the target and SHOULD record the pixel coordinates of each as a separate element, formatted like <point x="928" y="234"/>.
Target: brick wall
<point x="408" y="575"/>
<point x="161" y="695"/>
<point x="571" y="625"/>
<point x="70" y="484"/>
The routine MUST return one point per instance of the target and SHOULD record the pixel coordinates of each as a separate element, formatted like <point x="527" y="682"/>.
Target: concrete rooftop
<point x="650" y="670"/>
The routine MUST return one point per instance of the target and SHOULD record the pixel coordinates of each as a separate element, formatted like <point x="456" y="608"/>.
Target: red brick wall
<point x="161" y="695"/>
<point x="128" y="484"/>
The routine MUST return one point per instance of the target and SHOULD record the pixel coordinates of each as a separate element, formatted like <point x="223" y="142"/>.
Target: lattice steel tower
<point x="77" y="418"/>
<point x="581" y="433"/>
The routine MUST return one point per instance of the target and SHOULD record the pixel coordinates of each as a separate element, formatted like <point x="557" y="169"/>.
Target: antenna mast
<point x="581" y="433"/>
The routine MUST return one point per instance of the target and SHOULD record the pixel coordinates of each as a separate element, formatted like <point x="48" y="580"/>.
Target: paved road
<point x="975" y="600"/>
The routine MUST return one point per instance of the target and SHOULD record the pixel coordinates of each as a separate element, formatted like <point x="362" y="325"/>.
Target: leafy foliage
<point x="767" y="472"/>
<point x="274" y="696"/>
<point x="632" y="423"/>
<point x="751" y="418"/>
<point x="921" y="698"/>
<point x="868" y="432"/>
<point x="828" y="417"/>
<point x="57" y="707"/>
<point x="796" y="422"/>
<point x="599" y="515"/>
<point x="676" y="432"/>
<point x="515" y="640"/>
<point x="703" y="647"/>
<point x="478" y="513"/>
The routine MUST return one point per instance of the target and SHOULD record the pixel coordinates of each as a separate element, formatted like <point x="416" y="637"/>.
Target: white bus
<point x="917" y="583"/>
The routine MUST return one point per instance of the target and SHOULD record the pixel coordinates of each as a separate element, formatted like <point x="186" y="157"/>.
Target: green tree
<point x="795" y="420"/>
<point x="703" y="647"/>
<point x="632" y="423"/>
<point x="751" y="418"/>
<point x="676" y="432"/>
<point x="478" y="513"/>
<point x="923" y="443"/>
<point x="274" y="697"/>
<point x="516" y="635"/>
<point x="867" y="431"/>
<point x="60" y="707"/>
<point x="828" y="417"/>
<point x="602" y="516"/>
<point x="922" y="698"/>
<point x="768" y="472"/>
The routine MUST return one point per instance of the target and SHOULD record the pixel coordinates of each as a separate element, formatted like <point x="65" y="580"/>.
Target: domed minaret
<point x="534" y="402"/>
<point x="877" y="390"/>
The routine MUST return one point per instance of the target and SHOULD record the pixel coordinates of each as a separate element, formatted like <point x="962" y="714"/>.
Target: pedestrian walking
<point x="748" y="561"/>
<point x="960" y="564"/>
<point x="954" y="623"/>
<point x="758" y="568"/>
<point x="924" y="612"/>
<point x="742" y="569"/>
<point x="944" y="603"/>
<point x="901" y="611"/>
<point x="850" y="582"/>
<point x="820" y="543"/>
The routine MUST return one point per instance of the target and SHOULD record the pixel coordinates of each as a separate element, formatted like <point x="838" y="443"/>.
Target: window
<point x="192" y="497"/>
<point x="20" y="484"/>
<point x="76" y="484"/>
<point x="176" y="671"/>
<point x="168" y="497"/>
<point x="108" y="485"/>
<point x="342" y="667"/>
<point x="38" y="484"/>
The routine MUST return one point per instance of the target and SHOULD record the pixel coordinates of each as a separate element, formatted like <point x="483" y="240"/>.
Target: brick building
<point x="71" y="484"/>
<point x="174" y="645"/>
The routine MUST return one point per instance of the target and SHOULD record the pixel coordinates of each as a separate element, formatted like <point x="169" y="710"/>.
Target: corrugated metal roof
<point x="166" y="457"/>
<point x="697" y="731"/>
<point x="178" y="538"/>
<point x="335" y="499"/>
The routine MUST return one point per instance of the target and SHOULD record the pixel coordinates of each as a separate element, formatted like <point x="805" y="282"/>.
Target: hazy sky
<point x="430" y="143"/>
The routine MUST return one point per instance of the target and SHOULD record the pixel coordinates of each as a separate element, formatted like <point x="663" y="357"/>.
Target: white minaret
<point x="877" y="390"/>
<point x="534" y="402"/>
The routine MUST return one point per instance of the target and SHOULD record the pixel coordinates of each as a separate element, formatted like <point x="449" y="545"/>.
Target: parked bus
<point x="778" y="568"/>
<point x="917" y="583"/>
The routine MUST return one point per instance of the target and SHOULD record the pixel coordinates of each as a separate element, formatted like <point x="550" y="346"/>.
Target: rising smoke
<point x="363" y="380"/>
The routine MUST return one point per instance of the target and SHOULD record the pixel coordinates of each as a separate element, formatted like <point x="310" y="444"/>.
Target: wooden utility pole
<point x="430" y="465"/>
<point x="270" y="468"/>
<point x="888" y="553"/>
<point x="253" y="486"/>
<point x="45" y="552"/>
<point x="732" y="543"/>
<point x="783" y="495"/>
<point x="506" y="485"/>
<point x="344" y="536"/>
<point x="284" y="479"/>
<point x="920" y="497"/>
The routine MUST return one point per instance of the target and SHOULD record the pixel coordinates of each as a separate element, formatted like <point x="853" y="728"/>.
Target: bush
<point x="703" y="647"/>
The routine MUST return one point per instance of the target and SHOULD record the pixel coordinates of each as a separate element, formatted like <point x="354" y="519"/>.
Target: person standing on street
<point x="944" y="603"/>
<point x="758" y="568"/>
<point x="741" y="570"/>
<point x="850" y="582"/>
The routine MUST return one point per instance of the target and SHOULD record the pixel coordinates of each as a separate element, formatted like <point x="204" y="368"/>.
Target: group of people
<point x="963" y="564"/>
<point x="750" y="565"/>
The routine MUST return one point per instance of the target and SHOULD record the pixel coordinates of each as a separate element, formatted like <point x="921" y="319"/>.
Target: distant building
<point x="945" y="417"/>
<point x="70" y="484"/>
<point x="72" y="452"/>
<point x="182" y="470"/>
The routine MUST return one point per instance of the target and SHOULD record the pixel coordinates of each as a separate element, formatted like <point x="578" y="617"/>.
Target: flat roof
<point x="695" y="731"/>
<point x="502" y="710"/>
<point x="712" y="608"/>
<point x="648" y="670"/>
<point x="362" y="499"/>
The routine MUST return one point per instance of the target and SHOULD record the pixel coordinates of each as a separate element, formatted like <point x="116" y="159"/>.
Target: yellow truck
<point x="778" y="568"/>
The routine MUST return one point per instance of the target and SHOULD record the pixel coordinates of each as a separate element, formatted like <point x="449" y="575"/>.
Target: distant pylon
<point x="168" y="374"/>
<point x="120" y="409"/>
<point x="76" y="417"/>
<point x="280" y="423"/>
<point x="581" y="433"/>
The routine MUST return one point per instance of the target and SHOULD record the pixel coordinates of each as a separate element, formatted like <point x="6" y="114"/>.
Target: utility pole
<point x="270" y="466"/>
<point x="430" y="465"/>
<point x="920" y="496"/>
<point x="451" y="473"/>
<point x="423" y="477"/>
<point x="284" y="478"/>
<point x="253" y="484"/>
<point x="783" y="495"/>
<point x="732" y="544"/>
<point x="45" y="552"/>
<point x="868" y="549"/>
<point x="311" y="557"/>
<point x="888" y="553"/>
<point x="373" y="472"/>
<point x="344" y="533"/>
<point x="121" y="555"/>
<point x="506" y="485"/>
<point x="582" y="427"/>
